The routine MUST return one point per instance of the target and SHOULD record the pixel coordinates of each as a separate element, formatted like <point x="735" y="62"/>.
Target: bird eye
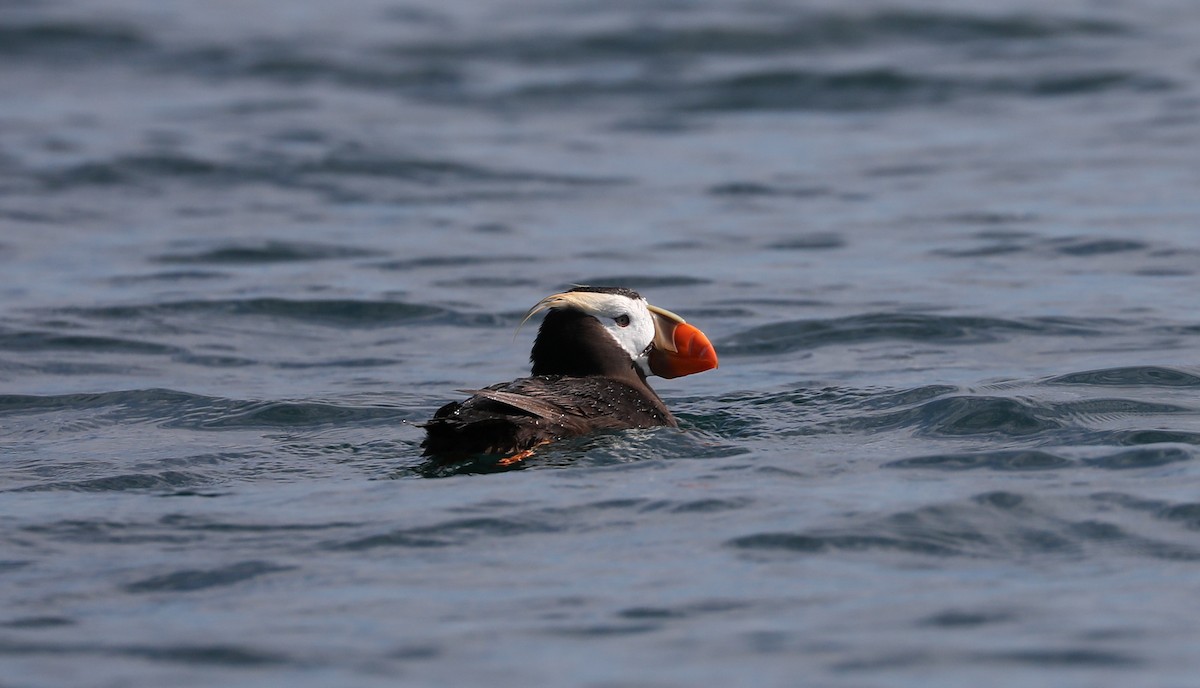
<point x="622" y="320"/>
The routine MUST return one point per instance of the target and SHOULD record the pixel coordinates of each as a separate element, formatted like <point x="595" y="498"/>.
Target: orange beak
<point x="679" y="348"/>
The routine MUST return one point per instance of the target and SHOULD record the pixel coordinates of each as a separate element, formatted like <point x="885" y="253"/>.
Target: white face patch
<point x="626" y="320"/>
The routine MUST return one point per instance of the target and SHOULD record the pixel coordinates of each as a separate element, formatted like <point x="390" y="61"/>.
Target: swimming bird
<point x="591" y="357"/>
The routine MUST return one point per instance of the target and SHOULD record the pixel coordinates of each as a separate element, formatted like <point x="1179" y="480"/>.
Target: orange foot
<point x="515" y="458"/>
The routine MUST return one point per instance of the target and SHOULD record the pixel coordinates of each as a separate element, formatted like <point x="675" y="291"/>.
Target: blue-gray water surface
<point x="949" y="253"/>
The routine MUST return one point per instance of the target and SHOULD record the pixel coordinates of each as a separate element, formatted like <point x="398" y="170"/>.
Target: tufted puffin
<point x="591" y="356"/>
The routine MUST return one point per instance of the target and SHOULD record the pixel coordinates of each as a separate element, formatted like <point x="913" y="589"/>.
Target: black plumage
<point x="512" y="417"/>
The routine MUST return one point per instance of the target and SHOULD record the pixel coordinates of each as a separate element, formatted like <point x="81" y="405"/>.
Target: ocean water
<point x="949" y="253"/>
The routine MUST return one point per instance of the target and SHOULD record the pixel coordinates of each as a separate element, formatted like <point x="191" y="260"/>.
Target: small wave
<point x="1078" y="658"/>
<point x="887" y="87"/>
<point x="224" y="656"/>
<point x="1008" y="460"/>
<point x="645" y="281"/>
<point x="1001" y="243"/>
<point x="25" y="216"/>
<point x="486" y="282"/>
<point x="150" y="481"/>
<point x="697" y="506"/>
<point x="805" y="90"/>
<point x="810" y="242"/>
<point x="993" y="249"/>
<point x="1082" y="84"/>
<point x="1188" y="514"/>
<point x="152" y="170"/>
<point x="802" y="411"/>
<point x="265" y="252"/>
<point x="52" y="341"/>
<point x="801" y="32"/>
<point x="682" y="611"/>
<point x="148" y="398"/>
<point x="785" y="337"/>
<point x="216" y="360"/>
<point x="454" y="532"/>
<point x="905" y="397"/>
<point x="293" y="64"/>
<point x="758" y="190"/>
<point x="173" y="409"/>
<point x="134" y="169"/>
<point x="38" y="622"/>
<point x="955" y="618"/>
<point x="1082" y="246"/>
<point x="1107" y="410"/>
<point x="942" y="411"/>
<point x="215" y="655"/>
<point x="1146" y="457"/>
<point x="992" y="525"/>
<point x="978" y="415"/>
<point x="450" y="261"/>
<point x="811" y="544"/>
<point x="1038" y="460"/>
<point x="167" y="276"/>
<point x="283" y="414"/>
<point x="1132" y="376"/>
<point x="598" y="631"/>
<point x="69" y="40"/>
<point x="433" y="172"/>
<point x="1140" y="437"/>
<point x="184" y="522"/>
<point x="190" y="580"/>
<point x="492" y="519"/>
<point x="338" y="312"/>
<point x="725" y="424"/>
<point x="1043" y="658"/>
<point x="333" y="363"/>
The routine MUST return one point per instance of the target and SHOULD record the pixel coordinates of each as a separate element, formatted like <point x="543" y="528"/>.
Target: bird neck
<point x="574" y="344"/>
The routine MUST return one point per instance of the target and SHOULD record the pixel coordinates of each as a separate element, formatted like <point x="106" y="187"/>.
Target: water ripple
<point x="1004" y="525"/>
<point x="188" y="580"/>
<point x="1039" y="460"/>
<point x="453" y="532"/>
<point x="164" y="480"/>
<point x="1132" y="376"/>
<point x="230" y="656"/>
<point x="886" y="87"/>
<point x="1187" y="514"/>
<point x="1003" y="460"/>
<point x="264" y="252"/>
<point x="335" y="312"/>
<point x="33" y="340"/>
<point x="1140" y="437"/>
<point x="646" y="281"/>
<point x="173" y="409"/>
<point x="66" y="39"/>
<point x="282" y="414"/>
<point x="965" y="415"/>
<point x="1147" y="457"/>
<point x="811" y="30"/>
<point x="1063" y="657"/>
<point x="162" y="399"/>
<point x="785" y="337"/>
<point x="150" y="170"/>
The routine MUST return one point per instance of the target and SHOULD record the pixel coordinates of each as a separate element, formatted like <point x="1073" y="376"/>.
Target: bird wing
<point x="521" y="402"/>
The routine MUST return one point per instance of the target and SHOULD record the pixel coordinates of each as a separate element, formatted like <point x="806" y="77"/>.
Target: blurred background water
<point x="947" y="250"/>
